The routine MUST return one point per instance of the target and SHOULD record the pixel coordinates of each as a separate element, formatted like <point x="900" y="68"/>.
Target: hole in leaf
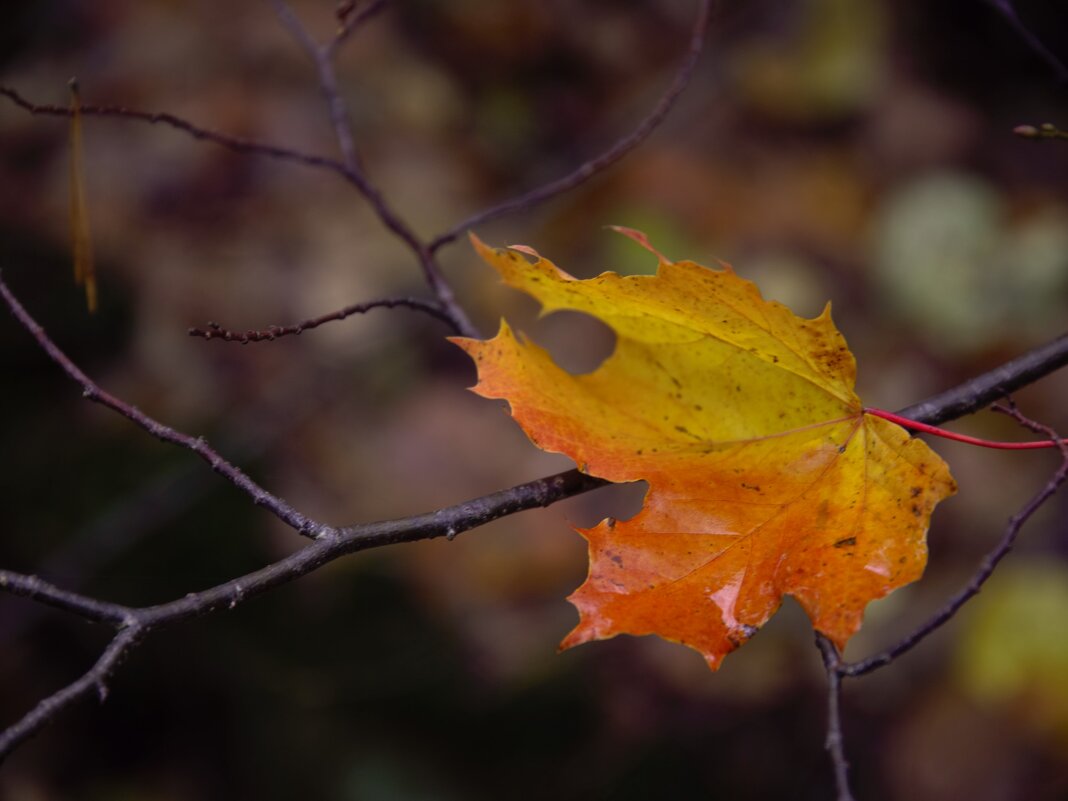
<point x="577" y="342"/>
<point x="618" y="501"/>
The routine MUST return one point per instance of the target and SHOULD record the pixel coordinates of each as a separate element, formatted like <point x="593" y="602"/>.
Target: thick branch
<point x="609" y="157"/>
<point x="447" y="522"/>
<point x="979" y="392"/>
<point x="139" y="622"/>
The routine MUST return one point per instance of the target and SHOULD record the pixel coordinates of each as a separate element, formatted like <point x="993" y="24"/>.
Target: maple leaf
<point x="766" y="477"/>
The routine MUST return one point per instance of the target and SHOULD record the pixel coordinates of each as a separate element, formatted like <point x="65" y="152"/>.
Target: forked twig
<point x="596" y="165"/>
<point x="134" y="624"/>
<point x="351" y="172"/>
<point x="322" y="57"/>
<point x="351" y="169"/>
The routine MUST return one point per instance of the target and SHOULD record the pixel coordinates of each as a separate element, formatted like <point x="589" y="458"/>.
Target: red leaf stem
<point x="941" y="432"/>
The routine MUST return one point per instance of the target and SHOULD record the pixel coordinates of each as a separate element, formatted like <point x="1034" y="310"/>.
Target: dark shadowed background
<point x="860" y="152"/>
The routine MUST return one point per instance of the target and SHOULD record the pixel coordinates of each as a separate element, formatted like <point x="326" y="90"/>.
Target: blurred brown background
<point x="830" y="149"/>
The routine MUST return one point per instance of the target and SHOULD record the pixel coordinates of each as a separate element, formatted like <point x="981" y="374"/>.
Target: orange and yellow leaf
<point x="766" y="478"/>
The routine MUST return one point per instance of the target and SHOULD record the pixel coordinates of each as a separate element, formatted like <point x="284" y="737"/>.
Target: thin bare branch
<point x="835" y="743"/>
<point x="198" y="445"/>
<point x="273" y="332"/>
<point x="282" y="409"/>
<point x="95" y="679"/>
<point x="324" y="65"/>
<point x="609" y="157"/>
<point x="1030" y="38"/>
<point x="296" y="28"/>
<point x="83" y="606"/>
<point x="234" y="143"/>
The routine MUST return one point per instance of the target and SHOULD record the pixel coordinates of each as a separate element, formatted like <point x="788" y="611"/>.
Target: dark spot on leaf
<point x="915" y="491"/>
<point x="846" y="541"/>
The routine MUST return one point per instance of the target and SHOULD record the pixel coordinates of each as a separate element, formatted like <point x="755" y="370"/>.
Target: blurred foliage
<point x="859" y="152"/>
<point x="1013" y="651"/>
<point x="825" y="64"/>
<point x="941" y="240"/>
